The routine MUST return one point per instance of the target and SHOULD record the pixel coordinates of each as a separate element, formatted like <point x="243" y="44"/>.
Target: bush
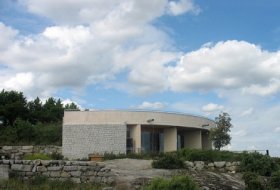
<point x="36" y="156"/>
<point x="175" y="183"/>
<point x="209" y="155"/>
<point x="252" y="181"/>
<point x="258" y="163"/>
<point x="169" y="161"/>
<point x="275" y="180"/>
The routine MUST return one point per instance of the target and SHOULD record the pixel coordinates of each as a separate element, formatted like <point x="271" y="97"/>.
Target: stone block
<point x="70" y="168"/>
<point x="26" y="161"/>
<point x="55" y="174"/>
<point x="219" y="164"/>
<point x="18" y="161"/>
<point x="4" y="172"/>
<point x="27" y="168"/>
<point x="27" y="147"/>
<point x="36" y="162"/>
<point x="65" y="174"/>
<point x="41" y="169"/>
<point x="16" y="167"/>
<point x="54" y="168"/>
<point x="199" y="165"/>
<point x="45" y="162"/>
<point x="76" y="173"/>
<point x="6" y="161"/>
<point x="76" y="180"/>
<point x="7" y="148"/>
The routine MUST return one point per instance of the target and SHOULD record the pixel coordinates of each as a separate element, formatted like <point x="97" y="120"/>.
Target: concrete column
<point x="170" y="139"/>
<point x="206" y="143"/>
<point x="135" y="133"/>
<point x="193" y="139"/>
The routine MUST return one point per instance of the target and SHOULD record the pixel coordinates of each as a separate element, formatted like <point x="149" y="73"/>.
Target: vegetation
<point x="275" y="180"/>
<point x="37" y="156"/>
<point x="169" y="161"/>
<point x="220" y="135"/>
<point x="252" y="181"/>
<point x="41" y="183"/>
<point x="30" y="122"/>
<point x="175" y="183"/>
<point x="209" y="155"/>
<point x="259" y="164"/>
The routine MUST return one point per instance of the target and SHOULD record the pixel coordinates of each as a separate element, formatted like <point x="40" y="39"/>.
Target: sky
<point x="189" y="56"/>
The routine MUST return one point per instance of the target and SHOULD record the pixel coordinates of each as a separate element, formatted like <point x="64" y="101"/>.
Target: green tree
<point x="13" y="105"/>
<point x="71" y="106"/>
<point x="220" y="134"/>
<point x="36" y="110"/>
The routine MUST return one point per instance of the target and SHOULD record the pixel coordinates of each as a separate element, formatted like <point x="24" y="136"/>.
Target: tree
<point x="13" y="105"/>
<point x="71" y="106"/>
<point x="219" y="135"/>
<point x="36" y="110"/>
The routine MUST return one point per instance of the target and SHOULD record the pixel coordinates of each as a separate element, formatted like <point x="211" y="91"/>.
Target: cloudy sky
<point x="191" y="56"/>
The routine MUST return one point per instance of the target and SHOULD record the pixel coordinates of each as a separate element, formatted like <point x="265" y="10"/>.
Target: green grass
<point x="37" y="156"/>
<point x="41" y="184"/>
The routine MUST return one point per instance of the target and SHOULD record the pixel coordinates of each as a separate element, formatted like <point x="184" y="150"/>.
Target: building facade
<point x="115" y="131"/>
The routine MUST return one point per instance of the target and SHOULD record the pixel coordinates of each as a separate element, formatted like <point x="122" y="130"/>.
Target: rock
<point x="199" y="165"/>
<point x="54" y="168"/>
<point x="76" y="180"/>
<point x="189" y="164"/>
<point x="55" y="174"/>
<point x="16" y="167"/>
<point x="7" y="148"/>
<point x="45" y="162"/>
<point x="107" y="188"/>
<point x="27" y="147"/>
<point x="27" y="168"/>
<point x="70" y="168"/>
<point x="41" y="169"/>
<point x="76" y="173"/>
<point x="65" y="174"/>
<point x="219" y="164"/>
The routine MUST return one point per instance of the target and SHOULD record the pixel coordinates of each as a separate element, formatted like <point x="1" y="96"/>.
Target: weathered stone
<point x="26" y="161"/>
<point x="219" y="164"/>
<point x="47" y="174"/>
<point x="55" y="174"/>
<point x="199" y="165"/>
<point x="54" y="168"/>
<point x="108" y="188"/>
<point x="16" y="167"/>
<point x="4" y="172"/>
<point x="41" y="169"/>
<point x="12" y="162"/>
<point x="189" y="164"/>
<point x="91" y="163"/>
<point x="6" y="161"/>
<point x="7" y="148"/>
<point x="65" y="174"/>
<point x="29" y="173"/>
<point x="27" y="168"/>
<point x="76" y="173"/>
<point x="37" y="162"/>
<point x="228" y="164"/>
<point x="67" y="163"/>
<point x="210" y="165"/>
<point x="45" y="162"/>
<point x="18" y="161"/>
<point x="70" y="168"/>
<point x="83" y="168"/>
<point x="232" y="168"/>
<point x="89" y="173"/>
<point x="76" y="180"/>
<point x="27" y="147"/>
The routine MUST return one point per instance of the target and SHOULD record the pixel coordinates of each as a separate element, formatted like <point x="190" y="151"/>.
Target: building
<point x="115" y="131"/>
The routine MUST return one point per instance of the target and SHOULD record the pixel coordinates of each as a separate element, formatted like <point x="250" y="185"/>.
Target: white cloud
<point x="7" y="36"/>
<point x="152" y="105"/>
<point x="69" y="101"/>
<point x="182" y="6"/>
<point x="277" y="129"/>
<point x="227" y="65"/>
<point x="211" y="107"/>
<point x="247" y="112"/>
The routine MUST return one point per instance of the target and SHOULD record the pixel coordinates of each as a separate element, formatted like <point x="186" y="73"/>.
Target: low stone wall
<point x="221" y="166"/>
<point x="77" y="171"/>
<point x="17" y="152"/>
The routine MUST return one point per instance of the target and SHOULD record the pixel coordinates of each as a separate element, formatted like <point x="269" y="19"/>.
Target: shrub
<point x="275" y="180"/>
<point x="252" y="181"/>
<point x="208" y="155"/>
<point x="36" y="156"/>
<point x="169" y="161"/>
<point x="175" y="183"/>
<point x="56" y="156"/>
<point x="258" y="163"/>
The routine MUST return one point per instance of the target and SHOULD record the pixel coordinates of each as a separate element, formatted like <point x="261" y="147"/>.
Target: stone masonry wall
<point x="221" y="166"/>
<point x="77" y="171"/>
<point x="17" y="152"/>
<point x="78" y="141"/>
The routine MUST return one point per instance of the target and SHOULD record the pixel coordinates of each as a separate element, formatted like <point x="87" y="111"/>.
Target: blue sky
<point x="191" y="56"/>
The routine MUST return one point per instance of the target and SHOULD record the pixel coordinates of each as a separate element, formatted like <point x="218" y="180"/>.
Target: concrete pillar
<point x="170" y="139"/>
<point x="193" y="139"/>
<point x="206" y="143"/>
<point x="135" y="133"/>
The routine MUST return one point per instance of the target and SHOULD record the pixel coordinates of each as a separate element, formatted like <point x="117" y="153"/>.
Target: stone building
<point x="115" y="131"/>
